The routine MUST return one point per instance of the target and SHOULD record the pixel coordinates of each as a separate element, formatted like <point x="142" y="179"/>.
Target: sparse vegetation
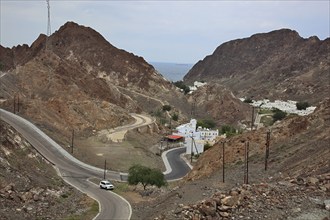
<point x="228" y="130"/>
<point x="175" y="117"/>
<point x="278" y="114"/>
<point x="166" y="108"/>
<point x="302" y="105"/>
<point x="267" y="120"/>
<point x="248" y="100"/>
<point x="146" y="176"/>
<point x="265" y="111"/>
<point x="182" y="86"/>
<point x="206" y="123"/>
<point x="207" y="146"/>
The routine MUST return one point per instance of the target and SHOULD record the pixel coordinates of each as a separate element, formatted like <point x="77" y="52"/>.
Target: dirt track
<point x="122" y="147"/>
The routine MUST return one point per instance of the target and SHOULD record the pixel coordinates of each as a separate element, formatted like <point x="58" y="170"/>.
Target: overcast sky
<point x="167" y="31"/>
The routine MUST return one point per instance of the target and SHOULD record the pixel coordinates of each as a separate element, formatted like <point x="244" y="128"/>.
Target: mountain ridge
<point x="293" y="67"/>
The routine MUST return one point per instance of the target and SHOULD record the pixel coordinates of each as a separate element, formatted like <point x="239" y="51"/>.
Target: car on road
<point x="105" y="184"/>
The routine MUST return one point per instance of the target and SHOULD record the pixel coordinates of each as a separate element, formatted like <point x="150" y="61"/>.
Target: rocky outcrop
<point x="296" y="198"/>
<point x="29" y="185"/>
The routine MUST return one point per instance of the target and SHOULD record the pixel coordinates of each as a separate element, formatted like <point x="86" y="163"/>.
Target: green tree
<point x="206" y="123"/>
<point x="182" y="86"/>
<point x="228" y="130"/>
<point x="248" y="100"/>
<point x="302" y="105"/>
<point x="278" y="114"/>
<point x="146" y="176"/>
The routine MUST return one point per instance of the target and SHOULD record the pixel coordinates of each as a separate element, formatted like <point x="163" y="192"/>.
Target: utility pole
<point x="161" y="147"/>
<point x="191" y="149"/>
<point x="15" y="104"/>
<point x="246" y="163"/>
<point x="223" y="162"/>
<point x="267" y="149"/>
<point x="252" y="121"/>
<point x="72" y="137"/>
<point x="105" y="168"/>
<point x="193" y="108"/>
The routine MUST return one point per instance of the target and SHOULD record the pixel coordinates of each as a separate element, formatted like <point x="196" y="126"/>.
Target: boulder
<point x="230" y="201"/>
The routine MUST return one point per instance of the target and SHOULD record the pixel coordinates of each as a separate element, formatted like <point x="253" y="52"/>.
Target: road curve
<point x="118" y="134"/>
<point x="172" y="158"/>
<point x="76" y="173"/>
<point x="112" y="206"/>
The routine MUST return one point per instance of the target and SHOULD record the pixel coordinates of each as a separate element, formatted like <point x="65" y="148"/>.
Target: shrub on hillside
<point x="175" y="117"/>
<point x="278" y="115"/>
<point x="248" y="100"/>
<point x="206" y="123"/>
<point x="302" y="105"/>
<point x="167" y="108"/>
<point x="182" y="86"/>
<point x="207" y="146"/>
<point x="228" y="130"/>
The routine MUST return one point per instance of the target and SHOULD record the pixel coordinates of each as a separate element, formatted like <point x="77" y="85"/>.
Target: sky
<point x="164" y="31"/>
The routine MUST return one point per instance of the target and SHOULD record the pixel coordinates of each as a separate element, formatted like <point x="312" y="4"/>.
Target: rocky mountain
<point x="275" y="65"/>
<point x="75" y="79"/>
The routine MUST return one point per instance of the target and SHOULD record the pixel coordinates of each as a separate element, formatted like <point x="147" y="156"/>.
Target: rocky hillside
<point x="216" y="102"/>
<point x="75" y="79"/>
<point x="299" y="145"/>
<point x="30" y="187"/>
<point x="276" y="65"/>
<point x="295" y="186"/>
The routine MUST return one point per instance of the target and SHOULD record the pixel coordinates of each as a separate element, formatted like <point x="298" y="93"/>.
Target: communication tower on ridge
<point x="48" y="24"/>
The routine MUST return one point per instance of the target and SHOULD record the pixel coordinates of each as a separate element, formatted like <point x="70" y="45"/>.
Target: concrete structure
<point x="195" y="139"/>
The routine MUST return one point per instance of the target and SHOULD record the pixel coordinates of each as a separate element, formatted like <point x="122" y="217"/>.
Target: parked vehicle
<point x="105" y="184"/>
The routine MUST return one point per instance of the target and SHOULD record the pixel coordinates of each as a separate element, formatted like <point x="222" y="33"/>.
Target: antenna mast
<point x="48" y="24"/>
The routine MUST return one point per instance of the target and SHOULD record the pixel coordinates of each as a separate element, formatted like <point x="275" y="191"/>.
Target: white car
<point x="105" y="184"/>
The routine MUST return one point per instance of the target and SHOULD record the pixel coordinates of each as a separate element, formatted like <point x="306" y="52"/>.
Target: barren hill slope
<point x="218" y="103"/>
<point x="299" y="145"/>
<point x="295" y="186"/>
<point x="279" y="64"/>
<point x="76" y="79"/>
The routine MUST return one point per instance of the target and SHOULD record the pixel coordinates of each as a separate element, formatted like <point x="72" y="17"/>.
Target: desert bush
<point x="302" y="105"/>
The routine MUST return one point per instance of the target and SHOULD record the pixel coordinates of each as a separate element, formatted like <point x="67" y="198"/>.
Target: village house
<point x="195" y="138"/>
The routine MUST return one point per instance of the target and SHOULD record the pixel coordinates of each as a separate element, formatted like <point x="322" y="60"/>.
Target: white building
<point x="195" y="86"/>
<point x="199" y="135"/>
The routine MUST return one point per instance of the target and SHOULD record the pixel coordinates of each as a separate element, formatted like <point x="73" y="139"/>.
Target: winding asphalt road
<point x="76" y="173"/>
